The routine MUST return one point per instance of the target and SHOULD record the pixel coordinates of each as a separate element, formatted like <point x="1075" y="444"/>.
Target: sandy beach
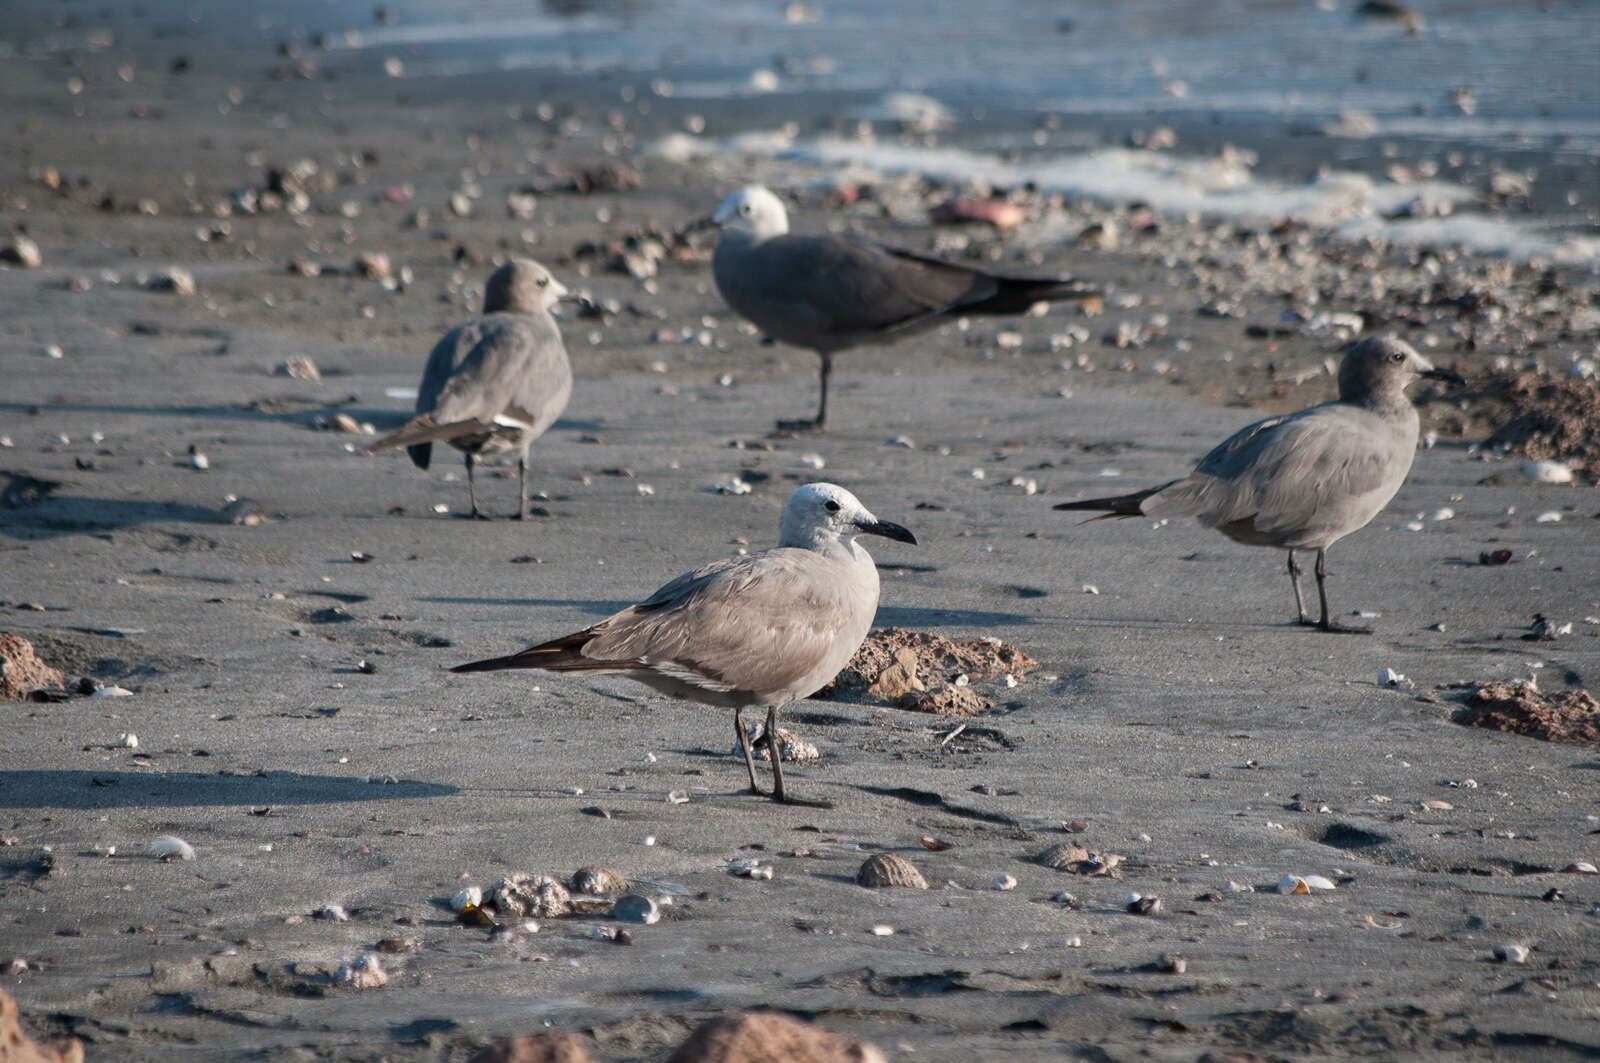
<point x="188" y="524"/>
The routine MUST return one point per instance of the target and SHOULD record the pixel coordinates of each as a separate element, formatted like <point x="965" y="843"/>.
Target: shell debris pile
<point x="928" y="673"/>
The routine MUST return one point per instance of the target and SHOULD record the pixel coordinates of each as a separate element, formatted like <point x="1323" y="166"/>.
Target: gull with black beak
<point x="1307" y="479"/>
<point x="495" y="383"/>
<point x="827" y="292"/>
<point x="760" y="630"/>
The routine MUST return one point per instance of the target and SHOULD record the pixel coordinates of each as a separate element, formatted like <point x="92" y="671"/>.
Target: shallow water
<point x="1535" y="66"/>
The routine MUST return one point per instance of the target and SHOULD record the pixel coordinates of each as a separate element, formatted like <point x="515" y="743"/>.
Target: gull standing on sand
<point x="764" y="629"/>
<point x="1307" y="479"/>
<point x="829" y="292"/>
<point x="497" y="382"/>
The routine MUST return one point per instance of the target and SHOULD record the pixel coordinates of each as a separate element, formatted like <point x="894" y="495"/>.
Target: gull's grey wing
<point x="501" y="365"/>
<point x="1319" y="473"/>
<point x="765" y="624"/>
<point x="827" y="292"/>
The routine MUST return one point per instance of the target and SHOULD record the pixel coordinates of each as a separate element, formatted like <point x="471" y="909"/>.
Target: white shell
<point x="1005" y="882"/>
<point x="1511" y="953"/>
<point x="470" y="895"/>
<point x="171" y="847"/>
<point x="1303" y="883"/>
<point x="127" y="740"/>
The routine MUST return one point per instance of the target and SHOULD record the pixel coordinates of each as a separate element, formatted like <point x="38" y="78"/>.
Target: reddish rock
<point x="21" y="672"/>
<point x="536" y="1048"/>
<point x="18" y="1047"/>
<point x="771" y="1037"/>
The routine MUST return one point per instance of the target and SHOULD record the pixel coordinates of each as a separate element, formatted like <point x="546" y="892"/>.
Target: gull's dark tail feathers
<point x="1116" y="505"/>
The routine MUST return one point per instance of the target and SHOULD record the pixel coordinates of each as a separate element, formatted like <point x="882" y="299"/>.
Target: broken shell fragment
<point x="170" y="847"/>
<point x="469" y="897"/>
<point x="1005" y="882"/>
<point x="1173" y="962"/>
<point x="887" y="869"/>
<point x="1303" y="883"/>
<point x="535" y="895"/>
<point x="598" y="881"/>
<point x="1511" y="953"/>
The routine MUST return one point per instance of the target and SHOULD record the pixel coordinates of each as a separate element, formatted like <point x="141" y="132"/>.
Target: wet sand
<point x="1175" y="714"/>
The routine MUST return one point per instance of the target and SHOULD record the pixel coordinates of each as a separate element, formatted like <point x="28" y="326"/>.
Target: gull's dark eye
<point x="744" y="208"/>
<point x="1398" y="356"/>
<point x="543" y="281"/>
<point x="832" y="506"/>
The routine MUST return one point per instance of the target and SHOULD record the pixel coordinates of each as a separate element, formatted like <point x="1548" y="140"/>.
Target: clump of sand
<point x="1520" y="708"/>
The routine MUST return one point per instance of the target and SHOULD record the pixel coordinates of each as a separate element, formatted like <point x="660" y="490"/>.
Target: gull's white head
<point x="818" y="514"/>
<point x="755" y="211"/>
<point x="521" y="286"/>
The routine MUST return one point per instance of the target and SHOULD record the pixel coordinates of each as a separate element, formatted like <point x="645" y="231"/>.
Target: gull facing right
<point x="1307" y="479"/>
<point x="760" y="630"/>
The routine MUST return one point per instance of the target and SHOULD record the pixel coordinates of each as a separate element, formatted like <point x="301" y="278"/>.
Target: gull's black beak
<point x="700" y="224"/>
<point x="1449" y="376"/>
<point x="888" y="529"/>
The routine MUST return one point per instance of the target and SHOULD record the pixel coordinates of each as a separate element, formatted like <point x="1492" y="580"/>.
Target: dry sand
<point x="1176" y="718"/>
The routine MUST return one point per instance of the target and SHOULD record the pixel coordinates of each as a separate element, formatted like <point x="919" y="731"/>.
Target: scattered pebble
<point x="21" y="251"/>
<point x="299" y="367"/>
<point x="364" y="972"/>
<point x="1511" y="953"/>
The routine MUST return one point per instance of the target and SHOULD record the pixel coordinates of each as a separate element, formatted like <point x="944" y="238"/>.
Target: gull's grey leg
<point x="744" y="747"/>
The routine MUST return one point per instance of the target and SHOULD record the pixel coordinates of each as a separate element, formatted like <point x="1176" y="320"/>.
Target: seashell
<point x="170" y="847"/>
<point x="597" y="881"/>
<point x="887" y="869"/>
<point x="1581" y="867"/>
<point x="882" y="930"/>
<point x="334" y="913"/>
<point x="365" y="972"/>
<point x="535" y="895"/>
<point x="937" y="845"/>
<point x="1303" y="884"/>
<point x="1062" y="857"/>
<point x="1005" y="882"/>
<point x="1173" y="962"/>
<point x="1511" y="953"/>
<point x="636" y="908"/>
<point x="126" y="740"/>
<point x="470" y="896"/>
